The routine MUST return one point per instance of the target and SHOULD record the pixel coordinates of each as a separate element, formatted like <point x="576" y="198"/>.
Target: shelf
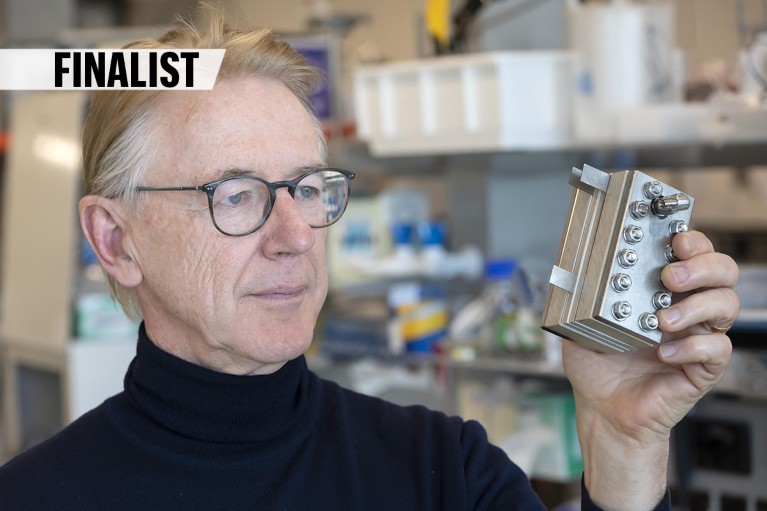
<point x="502" y="363"/>
<point x="509" y="364"/>
<point x="668" y="155"/>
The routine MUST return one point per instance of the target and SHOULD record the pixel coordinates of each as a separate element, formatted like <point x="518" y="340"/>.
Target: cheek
<point x="203" y="266"/>
<point x="320" y="264"/>
<point x="186" y="261"/>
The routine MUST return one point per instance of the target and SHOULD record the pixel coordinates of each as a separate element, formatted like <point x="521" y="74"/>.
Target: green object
<point x="561" y="461"/>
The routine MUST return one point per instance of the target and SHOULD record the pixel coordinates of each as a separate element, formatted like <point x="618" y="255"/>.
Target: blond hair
<point x="118" y="137"/>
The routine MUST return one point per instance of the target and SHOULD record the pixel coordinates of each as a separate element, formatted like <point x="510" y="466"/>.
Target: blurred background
<point x="463" y="120"/>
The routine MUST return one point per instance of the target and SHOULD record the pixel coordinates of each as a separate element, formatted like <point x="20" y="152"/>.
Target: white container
<point x="467" y="103"/>
<point x="625" y="60"/>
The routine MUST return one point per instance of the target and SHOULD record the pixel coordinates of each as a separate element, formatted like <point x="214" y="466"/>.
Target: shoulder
<point x="352" y="405"/>
<point x="374" y="424"/>
<point x="34" y="477"/>
<point x="370" y="412"/>
<point x="451" y="449"/>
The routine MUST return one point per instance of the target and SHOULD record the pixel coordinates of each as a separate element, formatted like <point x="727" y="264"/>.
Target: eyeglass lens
<point x="241" y="205"/>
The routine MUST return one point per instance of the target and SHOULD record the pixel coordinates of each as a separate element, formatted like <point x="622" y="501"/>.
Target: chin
<point x="283" y="346"/>
<point x="274" y="338"/>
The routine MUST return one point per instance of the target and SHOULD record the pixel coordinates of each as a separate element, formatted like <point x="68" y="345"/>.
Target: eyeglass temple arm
<point x="168" y="188"/>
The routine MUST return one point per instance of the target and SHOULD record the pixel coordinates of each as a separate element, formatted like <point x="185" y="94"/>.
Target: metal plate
<point x="582" y="296"/>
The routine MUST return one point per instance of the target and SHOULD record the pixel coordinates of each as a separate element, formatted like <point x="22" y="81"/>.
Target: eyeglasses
<point x="240" y="205"/>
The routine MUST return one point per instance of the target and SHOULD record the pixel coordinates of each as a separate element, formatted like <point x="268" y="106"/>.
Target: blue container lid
<point x="426" y="344"/>
<point x="431" y="233"/>
<point x="498" y="269"/>
<point x="402" y="233"/>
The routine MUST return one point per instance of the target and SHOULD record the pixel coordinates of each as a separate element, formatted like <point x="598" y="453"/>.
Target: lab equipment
<point x="605" y="287"/>
<point x="501" y="318"/>
<point x="419" y="317"/>
<point x="624" y="60"/>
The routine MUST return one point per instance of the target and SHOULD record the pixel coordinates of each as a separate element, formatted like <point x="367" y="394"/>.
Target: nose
<point x="286" y="231"/>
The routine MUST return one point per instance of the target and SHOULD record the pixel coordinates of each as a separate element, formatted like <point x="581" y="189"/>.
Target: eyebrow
<point x="308" y="168"/>
<point x="238" y="172"/>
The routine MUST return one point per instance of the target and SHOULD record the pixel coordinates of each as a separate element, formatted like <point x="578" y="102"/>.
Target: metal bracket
<point x="605" y="288"/>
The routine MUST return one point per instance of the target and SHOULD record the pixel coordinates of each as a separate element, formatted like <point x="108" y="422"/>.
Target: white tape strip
<point x="562" y="279"/>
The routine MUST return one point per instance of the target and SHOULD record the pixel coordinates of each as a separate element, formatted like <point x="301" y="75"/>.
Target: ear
<point x="103" y="222"/>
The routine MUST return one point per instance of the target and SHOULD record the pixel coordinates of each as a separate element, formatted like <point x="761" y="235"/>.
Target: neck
<point x="197" y="350"/>
<point x="194" y="402"/>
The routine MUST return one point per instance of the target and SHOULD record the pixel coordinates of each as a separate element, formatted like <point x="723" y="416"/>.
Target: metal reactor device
<point x="605" y="288"/>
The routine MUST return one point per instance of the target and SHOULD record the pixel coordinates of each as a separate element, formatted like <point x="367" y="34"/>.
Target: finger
<point x="708" y="269"/>
<point x="717" y="307"/>
<point x="691" y="243"/>
<point x="703" y="357"/>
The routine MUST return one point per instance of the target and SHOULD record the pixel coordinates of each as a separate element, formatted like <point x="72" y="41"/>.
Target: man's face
<point x="241" y="305"/>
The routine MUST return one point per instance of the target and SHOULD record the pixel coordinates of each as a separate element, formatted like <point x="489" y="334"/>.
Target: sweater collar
<point x="208" y="406"/>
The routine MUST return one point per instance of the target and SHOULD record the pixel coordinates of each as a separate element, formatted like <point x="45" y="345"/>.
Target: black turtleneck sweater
<point x="184" y="437"/>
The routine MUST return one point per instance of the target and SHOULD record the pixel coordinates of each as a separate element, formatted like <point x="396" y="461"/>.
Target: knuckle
<point x="691" y="243"/>
<point x="699" y="307"/>
<point x="712" y="270"/>
<point x="732" y="298"/>
<point x="714" y="349"/>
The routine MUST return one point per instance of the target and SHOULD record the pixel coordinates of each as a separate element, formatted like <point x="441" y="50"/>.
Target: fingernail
<point x="679" y="272"/>
<point x="672" y="315"/>
<point x="668" y="349"/>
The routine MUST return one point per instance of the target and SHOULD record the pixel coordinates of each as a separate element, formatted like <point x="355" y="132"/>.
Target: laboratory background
<point x="463" y="120"/>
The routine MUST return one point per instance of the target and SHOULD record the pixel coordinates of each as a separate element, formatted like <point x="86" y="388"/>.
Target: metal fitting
<point x="653" y="189"/>
<point x="621" y="310"/>
<point x="665" y="206"/>
<point x="633" y="234"/>
<point x="661" y="300"/>
<point x="627" y="257"/>
<point x="678" y="226"/>
<point x="639" y="209"/>
<point x="621" y="282"/>
<point x="669" y="253"/>
<point x="648" y="321"/>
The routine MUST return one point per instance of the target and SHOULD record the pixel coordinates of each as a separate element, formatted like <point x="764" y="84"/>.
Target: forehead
<point x="246" y="123"/>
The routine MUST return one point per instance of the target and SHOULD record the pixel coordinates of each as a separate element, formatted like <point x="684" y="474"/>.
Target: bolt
<point x="648" y="321"/>
<point x="677" y="226"/>
<point x="621" y="282"/>
<point x="661" y="300"/>
<point x="653" y="189"/>
<point x="639" y="209"/>
<point x="669" y="253"/>
<point x="621" y="310"/>
<point x="627" y="258"/>
<point x="633" y="234"/>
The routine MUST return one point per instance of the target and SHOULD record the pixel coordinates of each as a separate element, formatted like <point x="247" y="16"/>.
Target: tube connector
<point x="665" y="206"/>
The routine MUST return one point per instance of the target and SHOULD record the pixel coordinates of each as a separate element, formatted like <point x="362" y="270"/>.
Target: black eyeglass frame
<point x="291" y="185"/>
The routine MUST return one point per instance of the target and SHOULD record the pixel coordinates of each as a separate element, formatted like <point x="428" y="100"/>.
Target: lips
<point x="281" y="293"/>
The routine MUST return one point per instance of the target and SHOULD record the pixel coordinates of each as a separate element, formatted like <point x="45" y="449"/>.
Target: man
<point x="206" y="211"/>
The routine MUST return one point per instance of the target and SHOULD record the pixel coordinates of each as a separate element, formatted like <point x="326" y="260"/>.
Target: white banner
<point x="76" y="69"/>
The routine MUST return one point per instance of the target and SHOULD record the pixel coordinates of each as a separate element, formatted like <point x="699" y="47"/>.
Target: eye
<point x="239" y="193"/>
<point x="233" y="200"/>
<point x="306" y="192"/>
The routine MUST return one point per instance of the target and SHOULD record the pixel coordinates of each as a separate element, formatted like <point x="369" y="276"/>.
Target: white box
<point x="466" y="103"/>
